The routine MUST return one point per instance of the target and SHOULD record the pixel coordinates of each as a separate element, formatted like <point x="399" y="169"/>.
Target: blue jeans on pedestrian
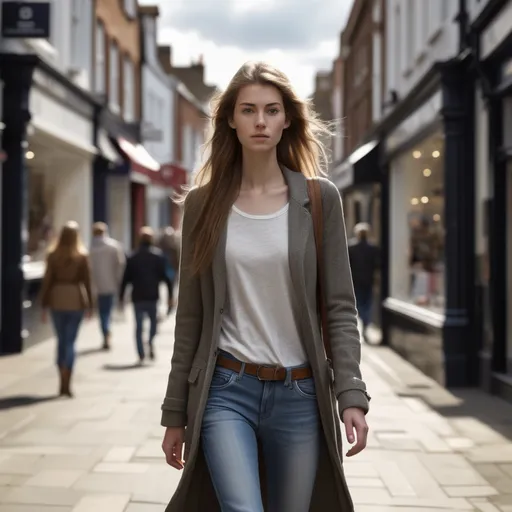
<point x="105" y="304"/>
<point x="142" y="309"/>
<point x="66" y="325"/>
<point x="364" y="301"/>
<point x="281" y="416"/>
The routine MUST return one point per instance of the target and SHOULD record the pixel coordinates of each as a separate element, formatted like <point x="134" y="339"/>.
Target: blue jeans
<point x="283" y="417"/>
<point x="66" y="325"/>
<point x="142" y="309"/>
<point x="364" y="300"/>
<point x="105" y="304"/>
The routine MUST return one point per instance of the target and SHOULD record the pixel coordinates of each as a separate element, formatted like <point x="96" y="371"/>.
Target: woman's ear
<point x="231" y="123"/>
<point x="287" y="123"/>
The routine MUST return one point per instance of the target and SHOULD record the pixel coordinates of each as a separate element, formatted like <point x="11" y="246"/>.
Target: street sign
<point x="26" y="19"/>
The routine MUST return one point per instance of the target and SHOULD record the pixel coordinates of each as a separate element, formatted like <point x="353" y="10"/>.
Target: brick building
<point x="362" y="85"/>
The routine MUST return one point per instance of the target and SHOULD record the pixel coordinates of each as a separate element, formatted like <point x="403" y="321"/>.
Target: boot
<point x="106" y="342"/>
<point x="61" y="379"/>
<point x="66" y="380"/>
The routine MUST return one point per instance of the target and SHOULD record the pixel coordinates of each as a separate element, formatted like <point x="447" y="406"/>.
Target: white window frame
<point x="435" y="18"/>
<point x="410" y="33"/>
<point x="113" y="89"/>
<point x="128" y="89"/>
<point x="130" y="8"/>
<point x="99" y="59"/>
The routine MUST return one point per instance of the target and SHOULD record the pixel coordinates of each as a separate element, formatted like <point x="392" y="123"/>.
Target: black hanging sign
<point x="26" y="19"/>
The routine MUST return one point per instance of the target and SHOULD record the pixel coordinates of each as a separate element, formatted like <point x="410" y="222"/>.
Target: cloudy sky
<point x="298" y="36"/>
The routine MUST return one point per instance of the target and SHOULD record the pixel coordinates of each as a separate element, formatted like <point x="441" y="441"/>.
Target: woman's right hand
<point x="172" y="446"/>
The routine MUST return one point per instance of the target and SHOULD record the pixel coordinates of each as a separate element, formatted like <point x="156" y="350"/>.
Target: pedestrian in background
<point x="249" y="374"/>
<point x="107" y="264"/>
<point x="170" y="245"/>
<point x="145" y="270"/>
<point x="66" y="292"/>
<point x="364" y="263"/>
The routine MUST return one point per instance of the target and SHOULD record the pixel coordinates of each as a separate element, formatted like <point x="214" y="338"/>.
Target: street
<point x="429" y="449"/>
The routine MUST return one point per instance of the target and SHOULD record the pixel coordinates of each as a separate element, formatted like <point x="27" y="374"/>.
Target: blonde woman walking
<point x="66" y="293"/>
<point x="251" y="393"/>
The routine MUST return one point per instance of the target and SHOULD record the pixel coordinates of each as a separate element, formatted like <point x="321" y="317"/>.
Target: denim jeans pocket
<point x="222" y="378"/>
<point x="305" y="387"/>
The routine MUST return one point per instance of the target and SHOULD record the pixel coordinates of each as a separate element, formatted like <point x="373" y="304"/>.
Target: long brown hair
<point x="301" y="149"/>
<point x="68" y="244"/>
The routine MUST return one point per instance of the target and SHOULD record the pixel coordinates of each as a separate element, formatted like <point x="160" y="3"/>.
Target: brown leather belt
<point x="264" y="372"/>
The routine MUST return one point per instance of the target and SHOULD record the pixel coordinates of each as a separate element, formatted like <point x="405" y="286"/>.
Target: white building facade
<point x="57" y="142"/>
<point x="158" y="123"/>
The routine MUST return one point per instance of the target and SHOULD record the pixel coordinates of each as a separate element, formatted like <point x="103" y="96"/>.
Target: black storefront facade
<point x="492" y="38"/>
<point x="427" y="288"/>
<point x="20" y="324"/>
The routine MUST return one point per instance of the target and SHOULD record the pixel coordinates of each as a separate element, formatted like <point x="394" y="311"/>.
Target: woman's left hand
<point x="354" y="420"/>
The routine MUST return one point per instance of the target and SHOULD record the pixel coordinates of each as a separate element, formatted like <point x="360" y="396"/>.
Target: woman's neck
<point x="261" y="172"/>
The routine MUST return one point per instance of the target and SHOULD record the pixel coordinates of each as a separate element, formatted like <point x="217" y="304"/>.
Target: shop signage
<point x="26" y="19"/>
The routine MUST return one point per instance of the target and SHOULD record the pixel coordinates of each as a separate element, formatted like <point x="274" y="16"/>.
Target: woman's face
<point x="259" y="117"/>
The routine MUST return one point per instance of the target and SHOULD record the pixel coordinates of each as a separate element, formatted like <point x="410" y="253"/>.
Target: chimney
<point x="165" y="57"/>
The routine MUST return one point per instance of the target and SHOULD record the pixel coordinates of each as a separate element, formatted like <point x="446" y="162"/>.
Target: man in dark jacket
<point x="145" y="270"/>
<point x="364" y="262"/>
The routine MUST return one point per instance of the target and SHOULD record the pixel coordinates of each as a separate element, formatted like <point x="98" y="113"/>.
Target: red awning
<point x="141" y="161"/>
<point x="173" y="176"/>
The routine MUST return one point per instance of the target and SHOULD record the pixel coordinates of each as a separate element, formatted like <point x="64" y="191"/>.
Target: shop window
<point x="40" y="220"/>
<point x="416" y="221"/>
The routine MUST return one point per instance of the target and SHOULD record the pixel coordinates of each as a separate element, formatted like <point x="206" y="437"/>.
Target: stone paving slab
<point x="429" y="449"/>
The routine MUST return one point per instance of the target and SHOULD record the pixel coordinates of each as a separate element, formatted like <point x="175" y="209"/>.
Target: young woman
<point x="251" y="394"/>
<point x="66" y="292"/>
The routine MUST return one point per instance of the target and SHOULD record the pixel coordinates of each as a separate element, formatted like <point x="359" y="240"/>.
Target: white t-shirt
<point x="260" y="323"/>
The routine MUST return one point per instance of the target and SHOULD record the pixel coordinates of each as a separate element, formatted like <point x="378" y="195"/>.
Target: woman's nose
<point x="260" y="121"/>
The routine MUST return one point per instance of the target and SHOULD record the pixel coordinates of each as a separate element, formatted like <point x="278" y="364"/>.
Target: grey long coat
<point x="198" y="323"/>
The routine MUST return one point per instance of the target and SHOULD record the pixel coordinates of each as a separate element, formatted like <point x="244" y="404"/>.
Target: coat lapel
<point x="298" y="227"/>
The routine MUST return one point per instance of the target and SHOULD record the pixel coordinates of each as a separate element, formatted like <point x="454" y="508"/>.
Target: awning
<point x="174" y="176"/>
<point x="107" y="149"/>
<point x="362" y="166"/>
<point x="141" y="161"/>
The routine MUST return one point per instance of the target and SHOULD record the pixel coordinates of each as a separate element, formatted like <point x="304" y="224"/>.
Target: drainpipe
<point x="462" y="19"/>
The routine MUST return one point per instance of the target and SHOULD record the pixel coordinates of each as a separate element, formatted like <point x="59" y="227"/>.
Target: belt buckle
<point x="276" y="368"/>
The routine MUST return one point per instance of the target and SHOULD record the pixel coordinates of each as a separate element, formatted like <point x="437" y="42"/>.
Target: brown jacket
<point x="67" y="285"/>
<point x="198" y="321"/>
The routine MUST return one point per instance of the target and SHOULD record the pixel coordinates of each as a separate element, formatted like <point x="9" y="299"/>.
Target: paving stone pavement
<point x="429" y="449"/>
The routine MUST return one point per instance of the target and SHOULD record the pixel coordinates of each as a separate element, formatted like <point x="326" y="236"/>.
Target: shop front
<point x="427" y="312"/>
<point x="47" y="181"/>
<point x="495" y="155"/>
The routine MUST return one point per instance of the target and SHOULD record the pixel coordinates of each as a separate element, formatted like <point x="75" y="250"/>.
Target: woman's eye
<point x="247" y="110"/>
<point x="274" y="111"/>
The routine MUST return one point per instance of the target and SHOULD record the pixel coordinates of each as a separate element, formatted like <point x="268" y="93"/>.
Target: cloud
<point x="259" y="25"/>
<point x="298" y="36"/>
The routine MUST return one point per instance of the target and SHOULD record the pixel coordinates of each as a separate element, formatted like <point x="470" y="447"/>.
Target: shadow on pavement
<point x="468" y="406"/>
<point x="121" y="367"/>
<point x="90" y="351"/>
<point x="12" y="402"/>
